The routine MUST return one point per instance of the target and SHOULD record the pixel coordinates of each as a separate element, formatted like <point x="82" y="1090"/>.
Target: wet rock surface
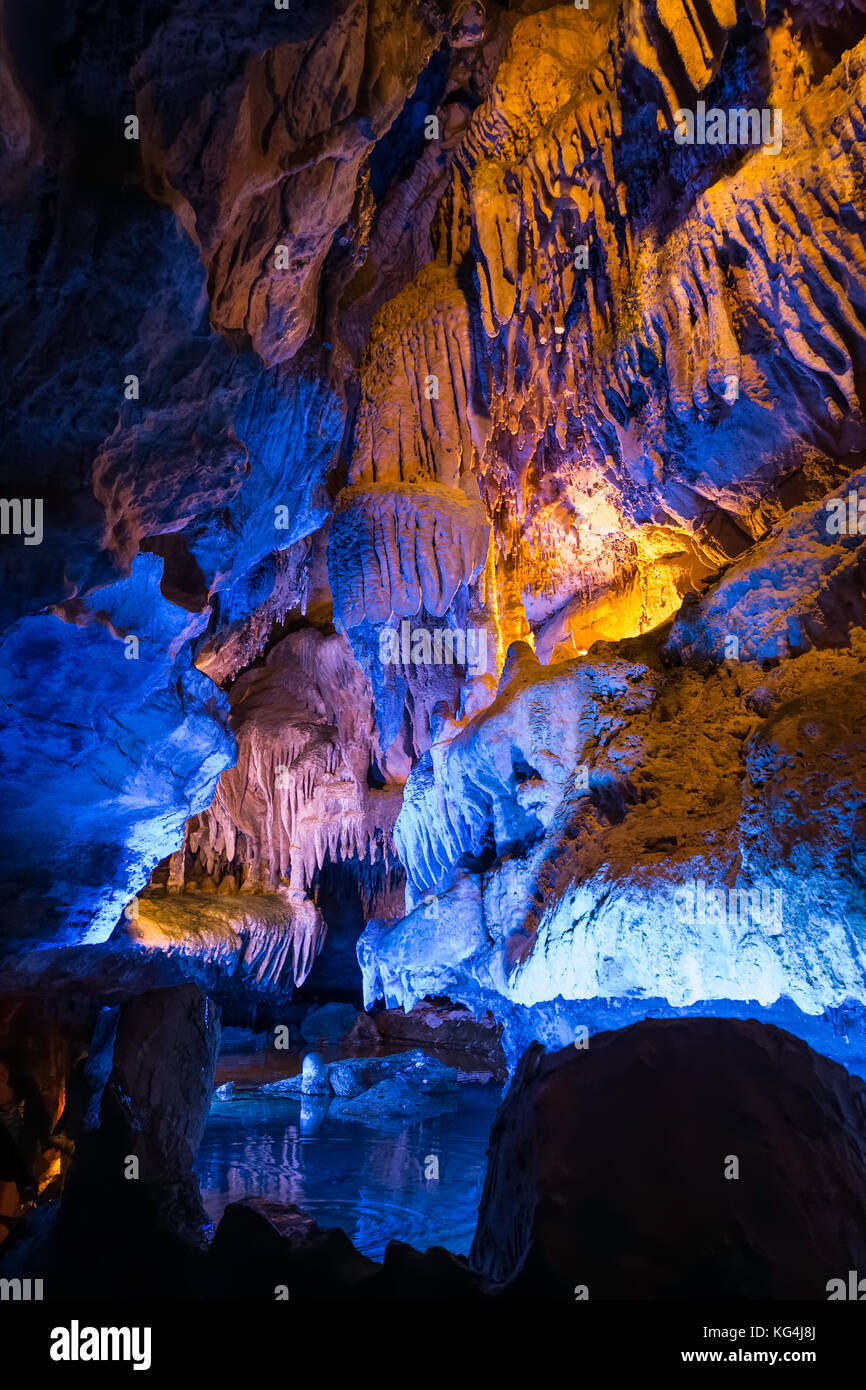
<point x="703" y="1158"/>
<point x="699" y="1158"/>
<point x="366" y="1088"/>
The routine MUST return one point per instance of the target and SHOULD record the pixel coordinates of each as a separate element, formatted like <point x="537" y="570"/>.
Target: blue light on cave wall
<point x="839" y="1032"/>
<point x="290" y="425"/>
<point x="117" y="739"/>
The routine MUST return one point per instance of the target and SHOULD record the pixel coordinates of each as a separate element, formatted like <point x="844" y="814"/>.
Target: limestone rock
<point x="264" y="943"/>
<point x="596" y="1178"/>
<point x="615" y="826"/>
<point x="416" y="1070"/>
<point x="152" y="1114"/>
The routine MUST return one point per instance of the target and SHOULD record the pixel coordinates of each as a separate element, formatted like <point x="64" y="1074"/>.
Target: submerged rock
<point x="314" y="1075"/>
<point x="687" y="1158"/>
<point x="370" y="1087"/>
<point x="311" y="1080"/>
<point x="411" y="1084"/>
<point x="695" y="1158"/>
<point x="395" y="1096"/>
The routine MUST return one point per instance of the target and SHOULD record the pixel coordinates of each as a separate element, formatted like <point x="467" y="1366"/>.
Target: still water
<point x="368" y="1179"/>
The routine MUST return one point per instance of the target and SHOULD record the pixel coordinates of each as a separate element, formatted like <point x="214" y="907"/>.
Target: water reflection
<point x="369" y="1180"/>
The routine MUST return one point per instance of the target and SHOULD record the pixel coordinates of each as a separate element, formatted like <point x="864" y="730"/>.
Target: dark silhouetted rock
<point x="151" y="1118"/>
<point x="264" y="1250"/>
<point x="262" y="1246"/>
<point x="339" y="1025"/>
<point x="608" y="1168"/>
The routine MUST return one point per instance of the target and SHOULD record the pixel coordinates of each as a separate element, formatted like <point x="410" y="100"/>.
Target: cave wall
<point x="388" y="332"/>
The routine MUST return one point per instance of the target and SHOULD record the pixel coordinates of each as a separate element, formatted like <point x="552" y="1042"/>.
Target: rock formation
<point x="655" y="782"/>
<point x="131" y="1195"/>
<point x="606" y="365"/>
<point x="434" y="492"/>
<point x="596" y="1189"/>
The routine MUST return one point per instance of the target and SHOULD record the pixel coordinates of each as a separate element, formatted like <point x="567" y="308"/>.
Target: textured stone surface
<point x="620" y="824"/>
<point x="264" y="943"/>
<point x="416" y="1072"/>
<point x="596" y="1181"/>
<point x="397" y="1097"/>
<point x="130" y="747"/>
<point x="152" y="1112"/>
<point x="442" y="1025"/>
<point x="608" y="1168"/>
<point x="433" y="407"/>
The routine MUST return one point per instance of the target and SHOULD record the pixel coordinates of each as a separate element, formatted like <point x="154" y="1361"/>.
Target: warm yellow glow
<point x="51" y="1172"/>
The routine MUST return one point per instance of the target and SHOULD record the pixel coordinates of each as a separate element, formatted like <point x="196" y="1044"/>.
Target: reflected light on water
<point x="367" y="1179"/>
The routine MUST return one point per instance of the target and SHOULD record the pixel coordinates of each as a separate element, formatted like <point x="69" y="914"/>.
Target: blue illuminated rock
<point x="115" y="738"/>
<point x="417" y="1070"/>
<point x="641" y="822"/>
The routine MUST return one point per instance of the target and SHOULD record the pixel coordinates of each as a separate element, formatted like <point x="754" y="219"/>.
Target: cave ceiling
<point x="440" y="429"/>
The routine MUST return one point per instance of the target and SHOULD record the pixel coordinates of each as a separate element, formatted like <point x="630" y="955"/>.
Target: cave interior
<point x="433" y="648"/>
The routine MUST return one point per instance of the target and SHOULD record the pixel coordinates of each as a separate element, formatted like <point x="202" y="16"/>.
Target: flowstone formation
<point x="438" y="436"/>
<point x="643" y="820"/>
